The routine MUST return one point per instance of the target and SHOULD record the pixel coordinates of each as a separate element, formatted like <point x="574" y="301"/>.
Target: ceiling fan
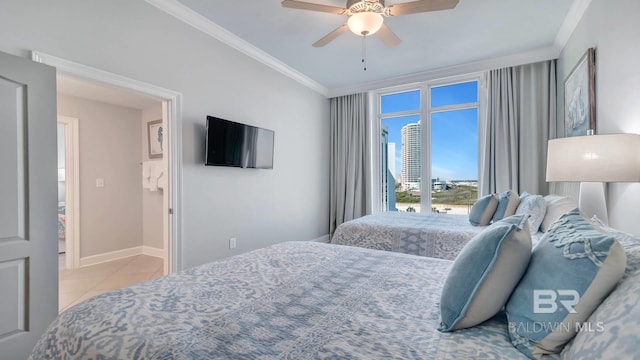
<point x="366" y="17"/>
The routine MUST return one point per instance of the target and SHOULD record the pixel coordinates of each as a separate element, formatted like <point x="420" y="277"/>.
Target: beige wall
<point x="152" y="220"/>
<point x="612" y="28"/>
<point x="110" y="141"/>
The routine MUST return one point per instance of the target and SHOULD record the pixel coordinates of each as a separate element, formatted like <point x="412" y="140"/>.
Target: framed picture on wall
<point x="580" y="96"/>
<point x="155" y="137"/>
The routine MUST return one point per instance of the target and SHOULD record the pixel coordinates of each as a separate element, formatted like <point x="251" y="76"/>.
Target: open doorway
<point x="68" y="191"/>
<point x="113" y="234"/>
<point x="62" y="189"/>
<point x="166" y="113"/>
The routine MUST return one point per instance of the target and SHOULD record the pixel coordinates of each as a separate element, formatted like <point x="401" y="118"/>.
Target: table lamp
<point x="593" y="160"/>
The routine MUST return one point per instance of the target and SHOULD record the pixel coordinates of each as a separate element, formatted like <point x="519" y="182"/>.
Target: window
<point x="401" y="150"/>
<point x="429" y="142"/>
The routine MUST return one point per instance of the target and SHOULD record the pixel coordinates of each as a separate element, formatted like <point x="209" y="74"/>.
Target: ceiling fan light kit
<point x="365" y="23"/>
<point x="366" y="17"/>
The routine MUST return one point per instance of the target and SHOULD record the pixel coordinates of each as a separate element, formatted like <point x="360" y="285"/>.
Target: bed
<point x="434" y="235"/>
<point x="295" y="300"/>
<point x="62" y="221"/>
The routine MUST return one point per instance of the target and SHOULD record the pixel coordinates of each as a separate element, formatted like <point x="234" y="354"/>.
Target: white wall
<point x="152" y="219"/>
<point x="134" y="39"/>
<point x="110" y="216"/>
<point x="612" y="28"/>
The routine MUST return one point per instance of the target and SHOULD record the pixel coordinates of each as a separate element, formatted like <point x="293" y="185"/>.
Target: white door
<point x="28" y="194"/>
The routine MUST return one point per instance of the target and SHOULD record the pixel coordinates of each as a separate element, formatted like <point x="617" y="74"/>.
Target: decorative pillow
<point x="535" y="207"/>
<point x="507" y="204"/>
<point x="573" y="268"/>
<point x="484" y="274"/>
<point x="482" y="211"/>
<point x="615" y="320"/>
<point x="556" y="206"/>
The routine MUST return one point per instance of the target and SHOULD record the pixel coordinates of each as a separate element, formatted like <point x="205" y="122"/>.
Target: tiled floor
<point x="80" y="284"/>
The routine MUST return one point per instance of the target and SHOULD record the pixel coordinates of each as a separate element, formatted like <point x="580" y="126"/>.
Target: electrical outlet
<point x="232" y="243"/>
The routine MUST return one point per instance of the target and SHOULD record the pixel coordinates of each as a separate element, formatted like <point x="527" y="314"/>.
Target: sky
<point x="454" y="134"/>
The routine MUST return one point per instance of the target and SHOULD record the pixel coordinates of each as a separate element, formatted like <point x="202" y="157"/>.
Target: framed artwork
<point x="155" y="136"/>
<point x="580" y="96"/>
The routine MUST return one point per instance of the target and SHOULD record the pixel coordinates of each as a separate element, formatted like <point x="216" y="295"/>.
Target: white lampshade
<point x="595" y="158"/>
<point x="365" y="23"/>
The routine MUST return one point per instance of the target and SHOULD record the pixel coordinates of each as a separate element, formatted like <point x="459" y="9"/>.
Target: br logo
<point x="546" y="301"/>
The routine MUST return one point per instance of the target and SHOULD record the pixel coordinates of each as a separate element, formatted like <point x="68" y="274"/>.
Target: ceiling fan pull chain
<point x="364" y="52"/>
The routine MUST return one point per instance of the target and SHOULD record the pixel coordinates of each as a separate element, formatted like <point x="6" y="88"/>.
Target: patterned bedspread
<point x="434" y="235"/>
<point x="298" y="300"/>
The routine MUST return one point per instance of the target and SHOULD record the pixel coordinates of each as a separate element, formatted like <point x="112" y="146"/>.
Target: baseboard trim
<point x="153" y="251"/>
<point x="324" y="239"/>
<point x="110" y="256"/>
<point x="121" y="254"/>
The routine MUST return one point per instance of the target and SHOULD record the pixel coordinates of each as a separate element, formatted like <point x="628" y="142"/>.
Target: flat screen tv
<point x="233" y="144"/>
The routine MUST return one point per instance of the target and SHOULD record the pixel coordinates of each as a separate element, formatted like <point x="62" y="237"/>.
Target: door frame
<point x="172" y="122"/>
<point x="72" y="190"/>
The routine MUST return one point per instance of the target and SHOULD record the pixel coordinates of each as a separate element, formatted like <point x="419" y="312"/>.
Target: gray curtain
<point x="521" y="117"/>
<point x="350" y="160"/>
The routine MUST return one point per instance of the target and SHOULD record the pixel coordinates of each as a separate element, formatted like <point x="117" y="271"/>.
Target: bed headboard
<point x="569" y="189"/>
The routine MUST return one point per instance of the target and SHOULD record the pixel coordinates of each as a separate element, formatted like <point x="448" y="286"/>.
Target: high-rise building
<point x="411" y="156"/>
<point x="384" y="176"/>
<point x="387" y="177"/>
<point x="391" y="158"/>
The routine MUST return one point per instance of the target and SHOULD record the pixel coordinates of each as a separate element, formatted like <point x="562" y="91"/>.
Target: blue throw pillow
<point x="619" y="313"/>
<point x="572" y="270"/>
<point x="484" y="274"/>
<point x="482" y="211"/>
<point x="508" y="203"/>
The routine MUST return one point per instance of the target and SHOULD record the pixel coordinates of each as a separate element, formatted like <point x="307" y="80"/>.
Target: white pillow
<point x="535" y="207"/>
<point x="556" y="206"/>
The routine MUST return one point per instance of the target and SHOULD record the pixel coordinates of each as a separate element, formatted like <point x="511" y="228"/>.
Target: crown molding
<point x="528" y="57"/>
<point x="576" y="11"/>
<point x="574" y="15"/>
<point x="192" y="18"/>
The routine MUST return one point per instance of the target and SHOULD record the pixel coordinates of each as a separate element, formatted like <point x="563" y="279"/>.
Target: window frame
<point x="424" y="111"/>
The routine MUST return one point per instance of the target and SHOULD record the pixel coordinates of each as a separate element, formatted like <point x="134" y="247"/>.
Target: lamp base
<point x="592" y="200"/>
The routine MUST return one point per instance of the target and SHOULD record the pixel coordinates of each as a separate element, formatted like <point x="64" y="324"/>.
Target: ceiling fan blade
<point x="293" y="4"/>
<point x="331" y="36"/>
<point x="387" y="36"/>
<point x="421" y="6"/>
